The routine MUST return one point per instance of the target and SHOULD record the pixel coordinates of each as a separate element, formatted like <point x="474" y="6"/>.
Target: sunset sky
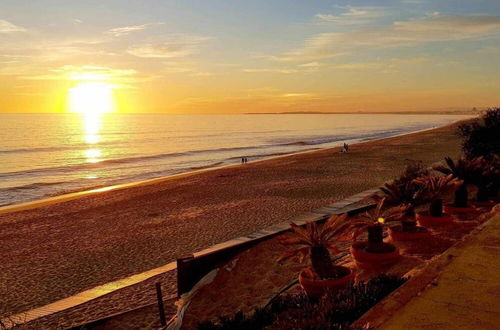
<point x="236" y="56"/>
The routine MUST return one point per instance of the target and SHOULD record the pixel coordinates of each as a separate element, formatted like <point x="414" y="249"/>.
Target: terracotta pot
<point x="366" y="259"/>
<point x="427" y="220"/>
<point x="398" y="234"/>
<point x="450" y="209"/>
<point x="483" y="204"/>
<point x="315" y="288"/>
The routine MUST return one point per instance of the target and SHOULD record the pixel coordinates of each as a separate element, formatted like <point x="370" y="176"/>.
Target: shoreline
<point x="69" y="196"/>
<point x="56" y="251"/>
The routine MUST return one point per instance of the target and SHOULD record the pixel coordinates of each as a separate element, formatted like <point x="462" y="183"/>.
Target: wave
<point x="243" y="150"/>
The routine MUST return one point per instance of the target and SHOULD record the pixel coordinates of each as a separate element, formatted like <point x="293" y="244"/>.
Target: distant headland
<point x="473" y="111"/>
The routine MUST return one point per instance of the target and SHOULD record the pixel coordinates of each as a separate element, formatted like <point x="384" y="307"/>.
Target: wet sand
<point x="55" y="251"/>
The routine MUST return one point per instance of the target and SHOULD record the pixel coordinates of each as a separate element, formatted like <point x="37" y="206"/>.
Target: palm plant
<point x="404" y="191"/>
<point x="413" y="171"/>
<point x="462" y="169"/>
<point x="317" y="242"/>
<point x="374" y="222"/>
<point x="434" y="187"/>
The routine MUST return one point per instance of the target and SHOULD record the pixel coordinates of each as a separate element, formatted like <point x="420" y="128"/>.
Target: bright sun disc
<point x="91" y="98"/>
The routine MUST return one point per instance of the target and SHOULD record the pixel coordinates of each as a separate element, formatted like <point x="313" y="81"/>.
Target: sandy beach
<point x="54" y="251"/>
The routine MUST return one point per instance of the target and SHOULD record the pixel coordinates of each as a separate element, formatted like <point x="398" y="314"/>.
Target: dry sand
<point x="55" y="251"/>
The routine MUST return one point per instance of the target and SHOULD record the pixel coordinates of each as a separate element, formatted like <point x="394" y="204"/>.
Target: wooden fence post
<point x="161" y="308"/>
<point x="185" y="274"/>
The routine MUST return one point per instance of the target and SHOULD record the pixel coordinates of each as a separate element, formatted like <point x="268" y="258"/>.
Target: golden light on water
<point x="91" y="99"/>
<point x="92" y="127"/>
<point x="93" y="155"/>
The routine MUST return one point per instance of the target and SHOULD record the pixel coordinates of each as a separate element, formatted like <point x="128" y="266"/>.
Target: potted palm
<point x="317" y="242"/>
<point x="461" y="169"/>
<point x="408" y="195"/>
<point x="434" y="188"/>
<point x="374" y="252"/>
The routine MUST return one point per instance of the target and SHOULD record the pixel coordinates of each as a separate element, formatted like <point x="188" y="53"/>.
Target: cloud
<point x="174" y="46"/>
<point x="353" y="16"/>
<point x="390" y="65"/>
<point x="125" y="30"/>
<point x="7" y="27"/>
<point x="431" y="28"/>
<point x="89" y="73"/>
<point x="413" y="2"/>
<point x="489" y="50"/>
<point x="311" y="65"/>
<point x="270" y="70"/>
<point x="299" y="95"/>
<point x="184" y="67"/>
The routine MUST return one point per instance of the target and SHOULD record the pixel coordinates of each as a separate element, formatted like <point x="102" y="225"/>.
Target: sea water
<point x="49" y="154"/>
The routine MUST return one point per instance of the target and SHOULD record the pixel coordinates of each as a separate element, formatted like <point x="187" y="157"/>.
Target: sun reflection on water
<point x="91" y="99"/>
<point x="92" y="127"/>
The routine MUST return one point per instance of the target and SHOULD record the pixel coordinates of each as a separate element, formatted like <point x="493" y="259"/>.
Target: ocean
<point x="48" y="154"/>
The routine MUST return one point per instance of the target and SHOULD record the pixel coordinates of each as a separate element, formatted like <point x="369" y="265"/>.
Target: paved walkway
<point x="342" y="206"/>
<point x="465" y="294"/>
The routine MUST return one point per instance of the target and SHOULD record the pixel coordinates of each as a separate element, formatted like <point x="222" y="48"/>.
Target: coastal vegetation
<point x="374" y="252"/>
<point x="461" y="169"/>
<point x="481" y="137"/>
<point x="335" y="309"/>
<point x="317" y="242"/>
<point x="435" y="188"/>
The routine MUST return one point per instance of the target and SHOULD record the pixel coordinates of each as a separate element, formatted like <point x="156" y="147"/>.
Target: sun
<point x="91" y="98"/>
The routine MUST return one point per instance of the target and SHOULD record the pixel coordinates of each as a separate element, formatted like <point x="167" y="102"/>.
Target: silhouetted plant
<point x="404" y="191"/>
<point x="316" y="242"/>
<point x="335" y="310"/>
<point x="462" y="169"/>
<point x="374" y="222"/>
<point x="481" y="137"/>
<point x="434" y="187"/>
<point x="485" y="175"/>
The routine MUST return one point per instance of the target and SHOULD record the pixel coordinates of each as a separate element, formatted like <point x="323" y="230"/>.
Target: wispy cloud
<point x="413" y="2"/>
<point x="353" y="15"/>
<point x="174" y="46"/>
<point x="270" y="70"/>
<point x="389" y="65"/>
<point x="8" y="27"/>
<point x="249" y="100"/>
<point x="311" y="65"/>
<point x="432" y="28"/>
<point x="88" y="73"/>
<point x="184" y="67"/>
<point x="125" y="30"/>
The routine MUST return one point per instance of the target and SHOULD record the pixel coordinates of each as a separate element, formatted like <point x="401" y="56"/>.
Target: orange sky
<point x="251" y="57"/>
